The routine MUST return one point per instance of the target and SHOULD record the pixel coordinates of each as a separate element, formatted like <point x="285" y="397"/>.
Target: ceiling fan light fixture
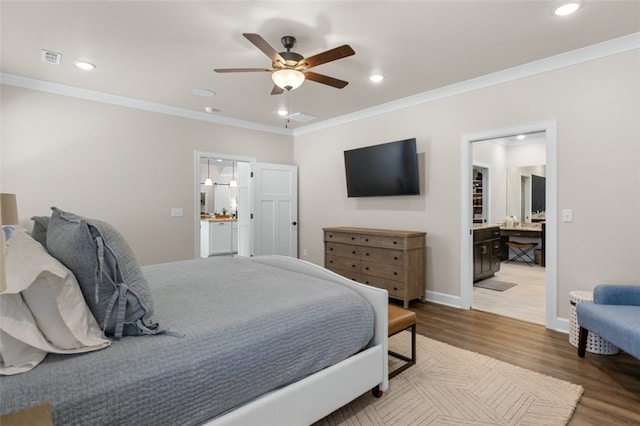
<point x="287" y="79"/>
<point x="376" y="78"/>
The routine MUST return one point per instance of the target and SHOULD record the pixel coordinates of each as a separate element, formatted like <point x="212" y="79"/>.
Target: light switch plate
<point x="567" y="215"/>
<point x="177" y="212"/>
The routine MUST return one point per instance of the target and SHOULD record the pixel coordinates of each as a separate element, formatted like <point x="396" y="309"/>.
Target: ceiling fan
<point x="290" y="69"/>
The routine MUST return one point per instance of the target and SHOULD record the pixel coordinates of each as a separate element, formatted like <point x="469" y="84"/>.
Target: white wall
<point x="122" y="165"/>
<point x="597" y="108"/>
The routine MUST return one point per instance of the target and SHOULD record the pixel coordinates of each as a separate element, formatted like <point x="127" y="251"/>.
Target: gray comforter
<point x="248" y="328"/>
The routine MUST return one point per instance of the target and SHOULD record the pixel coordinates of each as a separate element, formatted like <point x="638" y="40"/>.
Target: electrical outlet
<point x="567" y="215"/>
<point x="177" y="212"/>
<point x="304" y="252"/>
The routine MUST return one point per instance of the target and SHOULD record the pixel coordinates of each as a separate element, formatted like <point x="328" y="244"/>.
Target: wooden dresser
<point x="392" y="260"/>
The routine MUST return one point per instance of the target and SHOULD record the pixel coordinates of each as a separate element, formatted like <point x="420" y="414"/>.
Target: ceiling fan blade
<point x="328" y="56"/>
<point x="277" y="90"/>
<point x="243" y="70"/>
<point x="325" y="79"/>
<point x="265" y="47"/>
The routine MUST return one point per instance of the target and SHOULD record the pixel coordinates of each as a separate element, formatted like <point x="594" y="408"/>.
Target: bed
<point x="264" y="340"/>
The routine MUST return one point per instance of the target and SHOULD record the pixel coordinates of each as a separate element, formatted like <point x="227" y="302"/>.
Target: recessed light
<point x="376" y="78"/>
<point x="203" y="93"/>
<point x="83" y="65"/>
<point x="282" y="112"/>
<point x="566" y="8"/>
<point x="210" y="109"/>
<point x="520" y="137"/>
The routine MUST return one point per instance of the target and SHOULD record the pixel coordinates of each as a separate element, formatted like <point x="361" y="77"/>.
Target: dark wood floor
<point x="611" y="383"/>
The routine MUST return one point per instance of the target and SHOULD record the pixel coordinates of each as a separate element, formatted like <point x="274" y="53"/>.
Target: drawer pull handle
<point x="395" y="257"/>
<point x="395" y="288"/>
<point x="353" y="266"/>
<point x="331" y="261"/>
<point x="367" y="268"/>
<point x="367" y="282"/>
<point x="395" y="242"/>
<point x="395" y="273"/>
<point x="330" y="236"/>
<point x="353" y="252"/>
<point x="366" y="239"/>
<point x="366" y="254"/>
<point x="331" y="249"/>
<point x="353" y="238"/>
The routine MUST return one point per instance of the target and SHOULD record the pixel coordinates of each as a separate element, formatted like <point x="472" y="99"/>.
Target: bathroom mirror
<point x="526" y="191"/>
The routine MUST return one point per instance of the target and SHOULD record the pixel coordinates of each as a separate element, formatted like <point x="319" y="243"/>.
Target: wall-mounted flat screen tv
<point x="383" y="170"/>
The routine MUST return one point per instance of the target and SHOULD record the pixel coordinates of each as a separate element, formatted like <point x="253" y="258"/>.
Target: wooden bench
<point x="400" y="320"/>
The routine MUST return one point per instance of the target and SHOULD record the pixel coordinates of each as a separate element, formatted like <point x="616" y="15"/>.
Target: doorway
<point x="221" y="198"/>
<point x="466" y="243"/>
<point x="262" y="207"/>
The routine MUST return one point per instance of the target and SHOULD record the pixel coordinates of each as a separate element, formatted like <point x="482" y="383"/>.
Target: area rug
<point x="452" y="386"/>
<point x="496" y="285"/>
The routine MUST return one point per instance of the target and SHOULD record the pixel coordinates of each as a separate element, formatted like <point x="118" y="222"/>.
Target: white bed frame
<point x="314" y="397"/>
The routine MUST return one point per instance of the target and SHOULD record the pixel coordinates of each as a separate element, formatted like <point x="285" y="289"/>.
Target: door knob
<point x="294" y="223"/>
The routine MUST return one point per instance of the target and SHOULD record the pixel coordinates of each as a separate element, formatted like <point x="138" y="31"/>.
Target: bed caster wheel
<point x="376" y="392"/>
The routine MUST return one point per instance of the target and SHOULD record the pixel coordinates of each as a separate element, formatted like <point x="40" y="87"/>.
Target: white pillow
<point x="43" y="306"/>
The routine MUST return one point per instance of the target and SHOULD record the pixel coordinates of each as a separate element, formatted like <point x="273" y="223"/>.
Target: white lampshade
<point x="208" y="182"/>
<point x="288" y="79"/>
<point x="233" y="184"/>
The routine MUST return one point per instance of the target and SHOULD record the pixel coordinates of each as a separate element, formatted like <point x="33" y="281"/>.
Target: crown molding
<point x="107" y="98"/>
<point x="589" y="53"/>
<point x="585" y="54"/>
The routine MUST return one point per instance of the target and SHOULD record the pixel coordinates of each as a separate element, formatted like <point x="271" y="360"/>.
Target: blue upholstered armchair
<point x="614" y="315"/>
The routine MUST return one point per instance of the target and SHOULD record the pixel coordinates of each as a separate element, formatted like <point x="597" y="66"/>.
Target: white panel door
<point x="275" y="209"/>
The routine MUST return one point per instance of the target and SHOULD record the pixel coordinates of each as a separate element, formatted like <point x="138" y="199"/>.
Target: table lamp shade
<point x="8" y="209"/>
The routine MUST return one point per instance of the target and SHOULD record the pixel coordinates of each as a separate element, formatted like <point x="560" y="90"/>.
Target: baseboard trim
<point x="444" y="299"/>
<point x="561" y="324"/>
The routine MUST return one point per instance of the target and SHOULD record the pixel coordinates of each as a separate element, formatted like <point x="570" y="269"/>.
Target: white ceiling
<point x="159" y="51"/>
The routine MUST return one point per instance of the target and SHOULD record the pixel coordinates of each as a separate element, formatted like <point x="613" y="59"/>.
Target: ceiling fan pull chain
<point x="286" y="97"/>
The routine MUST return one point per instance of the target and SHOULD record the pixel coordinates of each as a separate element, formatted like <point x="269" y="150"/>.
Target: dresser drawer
<point x="342" y="263"/>
<point x="383" y="241"/>
<point x="346" y="250"/>
<point x="391" y="272"/>
<point x="341" y="237"/>
<point x="382" y="255"/>
<point x="395" y="288"/>
<point x="352" y="275"/>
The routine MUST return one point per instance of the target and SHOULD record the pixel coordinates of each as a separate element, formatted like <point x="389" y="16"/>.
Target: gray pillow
<point x="110" y="278"/>
<point x="39" y="231"/>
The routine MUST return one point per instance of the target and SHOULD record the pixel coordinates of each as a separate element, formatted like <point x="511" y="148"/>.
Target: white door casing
<point x="466" y="228"/>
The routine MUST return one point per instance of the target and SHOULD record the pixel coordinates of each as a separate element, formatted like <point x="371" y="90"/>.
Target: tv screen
<point x="382" y="170"/>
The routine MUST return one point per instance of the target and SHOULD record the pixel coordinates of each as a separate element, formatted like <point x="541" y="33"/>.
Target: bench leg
<point x="583" y="335"/>
<point x="409" y="360"/>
